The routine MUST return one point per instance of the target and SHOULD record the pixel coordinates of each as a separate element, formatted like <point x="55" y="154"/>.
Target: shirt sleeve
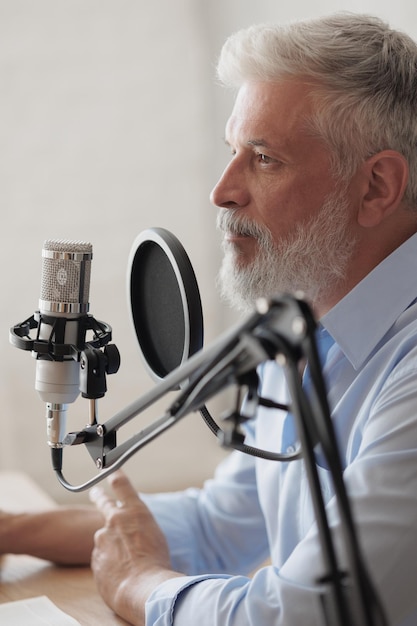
<point x="237" y="600"/>
<point x="218" y="529"/>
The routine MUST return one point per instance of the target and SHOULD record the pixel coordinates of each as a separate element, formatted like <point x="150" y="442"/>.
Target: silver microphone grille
<point x="65" y="282"/>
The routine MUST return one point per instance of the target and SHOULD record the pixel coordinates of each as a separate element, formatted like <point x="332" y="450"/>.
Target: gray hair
<point x="364" y="74"/>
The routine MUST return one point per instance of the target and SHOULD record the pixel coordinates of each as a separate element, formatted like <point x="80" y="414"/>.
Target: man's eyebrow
<point x="258" y="143"/>
<point x="252" y="142"/>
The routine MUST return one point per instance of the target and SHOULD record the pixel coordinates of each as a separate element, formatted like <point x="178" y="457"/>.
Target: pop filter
<point x="167" y="314"/>
<point x="165" y="301"/>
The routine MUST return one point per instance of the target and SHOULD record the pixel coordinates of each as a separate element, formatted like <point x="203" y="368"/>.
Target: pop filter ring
<point x="165" y="302"/>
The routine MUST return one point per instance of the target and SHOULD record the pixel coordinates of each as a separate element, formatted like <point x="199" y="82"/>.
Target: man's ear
<point x="385" y="180"/>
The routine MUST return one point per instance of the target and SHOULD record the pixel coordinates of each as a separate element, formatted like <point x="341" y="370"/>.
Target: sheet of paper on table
<point x="38" y="611"/>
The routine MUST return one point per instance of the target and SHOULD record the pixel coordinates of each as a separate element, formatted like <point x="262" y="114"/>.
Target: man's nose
<point x="231" y="191"/>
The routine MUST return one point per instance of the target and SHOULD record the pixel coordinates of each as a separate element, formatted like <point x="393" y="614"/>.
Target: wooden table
<point x="72" y="589"/>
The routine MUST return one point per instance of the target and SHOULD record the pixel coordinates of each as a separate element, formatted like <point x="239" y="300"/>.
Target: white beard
<point x="311" y="258"/>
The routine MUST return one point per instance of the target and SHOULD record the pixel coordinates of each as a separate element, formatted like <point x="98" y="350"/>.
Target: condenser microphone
<point x="67" y="361"/>
<point x="63" y="302"/>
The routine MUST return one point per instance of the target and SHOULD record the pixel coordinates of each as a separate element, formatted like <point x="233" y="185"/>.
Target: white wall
<point x="110" y="123"/>
<point x="104" y="114"/>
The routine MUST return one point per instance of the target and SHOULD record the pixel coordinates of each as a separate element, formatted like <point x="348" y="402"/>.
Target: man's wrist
<point x="135" y="589"/>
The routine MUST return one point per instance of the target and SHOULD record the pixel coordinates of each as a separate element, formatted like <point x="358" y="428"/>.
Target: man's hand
<point x="130" y="557"/>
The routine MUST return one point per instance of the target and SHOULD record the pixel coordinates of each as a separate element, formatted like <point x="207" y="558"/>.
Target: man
<point x="320" y="195"/>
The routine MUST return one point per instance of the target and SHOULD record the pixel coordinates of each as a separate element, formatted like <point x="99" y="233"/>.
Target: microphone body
<point x="63" y="303"/>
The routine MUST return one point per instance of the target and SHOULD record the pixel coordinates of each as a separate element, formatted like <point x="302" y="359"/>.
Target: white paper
<point x="38" y="611"/>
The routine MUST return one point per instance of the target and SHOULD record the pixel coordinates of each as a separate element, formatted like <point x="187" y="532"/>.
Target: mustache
<point x="229" y="221"/>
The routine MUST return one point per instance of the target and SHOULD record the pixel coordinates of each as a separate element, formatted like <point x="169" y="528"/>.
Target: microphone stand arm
<point x="100" y="439"/>
<point x="234" y="354"/>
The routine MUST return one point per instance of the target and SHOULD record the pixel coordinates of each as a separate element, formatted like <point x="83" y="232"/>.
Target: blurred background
<point x="111" y="122"/>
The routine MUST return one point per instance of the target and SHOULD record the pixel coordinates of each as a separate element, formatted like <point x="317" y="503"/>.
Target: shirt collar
<point x="360" y="320"/>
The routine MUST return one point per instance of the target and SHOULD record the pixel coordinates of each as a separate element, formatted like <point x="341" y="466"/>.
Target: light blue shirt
<point x="255" y="509"/>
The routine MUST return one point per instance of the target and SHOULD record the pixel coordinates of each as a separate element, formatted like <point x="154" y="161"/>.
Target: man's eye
<point x="264" y="159"/>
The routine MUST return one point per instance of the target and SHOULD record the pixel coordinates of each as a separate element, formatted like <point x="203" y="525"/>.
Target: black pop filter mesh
<point x="165" y="301"/>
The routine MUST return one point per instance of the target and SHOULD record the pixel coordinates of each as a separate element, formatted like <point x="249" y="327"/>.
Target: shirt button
<point x="290" y="449"/>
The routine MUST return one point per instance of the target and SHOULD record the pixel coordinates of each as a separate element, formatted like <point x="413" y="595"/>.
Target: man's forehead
<point x="263" y="108"/>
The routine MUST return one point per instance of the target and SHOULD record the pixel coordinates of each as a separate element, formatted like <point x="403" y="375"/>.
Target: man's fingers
<point x="125" y="495"/>
<point x="103" y="502"/>
<point x="123" y="489"/>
